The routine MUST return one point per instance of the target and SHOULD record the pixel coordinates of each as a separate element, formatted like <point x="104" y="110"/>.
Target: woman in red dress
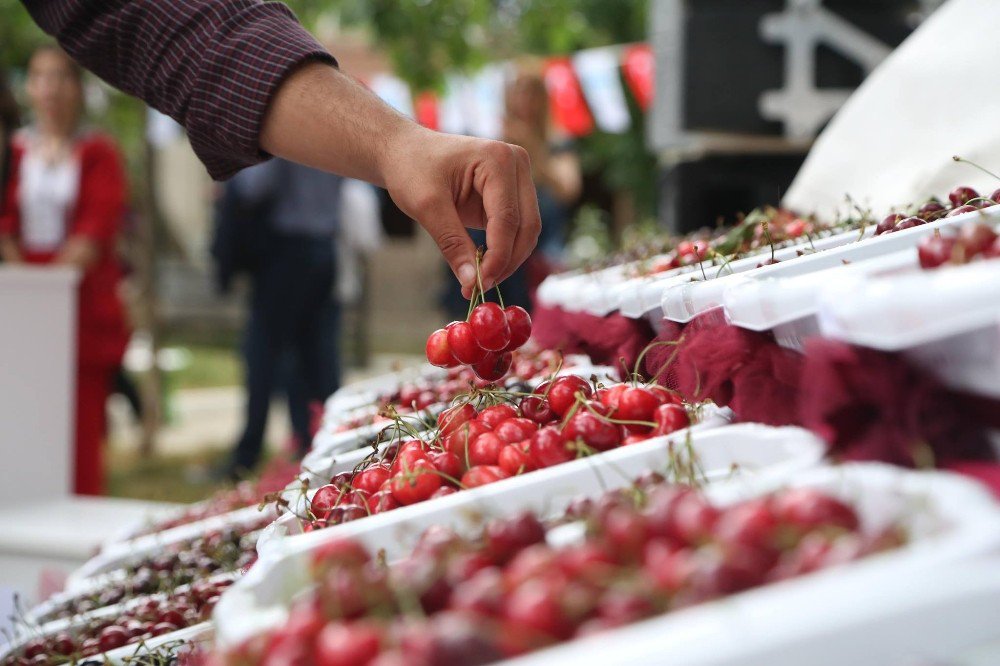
<point x="64" y="204"/>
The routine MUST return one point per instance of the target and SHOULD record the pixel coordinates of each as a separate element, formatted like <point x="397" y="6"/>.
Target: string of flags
<point x="585" y="93"/>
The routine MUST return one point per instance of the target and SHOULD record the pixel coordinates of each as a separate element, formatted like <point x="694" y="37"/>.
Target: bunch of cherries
<point x="562" y="420"/>
<point x="973" y="240"/>
<point x="963" y="200"/>
<point x="141" y="621"/>
<point x="632" y="554"/>
<point x="484" y="341"/>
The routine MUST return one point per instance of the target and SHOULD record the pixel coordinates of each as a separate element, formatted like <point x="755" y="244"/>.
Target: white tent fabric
<point x="892" y="143"/>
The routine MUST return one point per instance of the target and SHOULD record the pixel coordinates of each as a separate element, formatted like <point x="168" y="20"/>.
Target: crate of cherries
<point x="137" y="622"/>
<point x="974" y="240"/>
<point x="524" y="584"/>
<point x="506" y="434"/>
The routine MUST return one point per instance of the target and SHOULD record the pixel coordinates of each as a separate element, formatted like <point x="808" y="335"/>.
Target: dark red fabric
<point x="92" y="388"/>
<point x="766" y="388"/>
<point x="212" y="65"/>
<point x="870" y="405"/>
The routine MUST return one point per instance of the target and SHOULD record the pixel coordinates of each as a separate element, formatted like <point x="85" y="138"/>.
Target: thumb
<point x="443" y="224"/>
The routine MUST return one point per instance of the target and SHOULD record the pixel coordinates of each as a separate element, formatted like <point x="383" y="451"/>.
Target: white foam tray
<point x="946" y="320"/>
<point x="924" y="602"/>
<point x="260" y="600"/>
<point x="368" y="391"/>
<point x="120" y="555"/>
<point x="683" y="302"/>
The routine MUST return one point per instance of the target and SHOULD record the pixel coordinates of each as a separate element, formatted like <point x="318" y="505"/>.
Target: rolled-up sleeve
<point x="212" y="65"/>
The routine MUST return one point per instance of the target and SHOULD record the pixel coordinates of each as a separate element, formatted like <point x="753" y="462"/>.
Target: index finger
<point x="530" y="224"/>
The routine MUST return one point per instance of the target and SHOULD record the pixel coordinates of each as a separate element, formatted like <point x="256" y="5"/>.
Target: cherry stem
<point x="608" y="419"/>
<point x="642" y="355"/>
<point x="973" y="164"/>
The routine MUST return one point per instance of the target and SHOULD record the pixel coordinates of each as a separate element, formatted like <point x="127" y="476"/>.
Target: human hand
<point x="448" y="183"/>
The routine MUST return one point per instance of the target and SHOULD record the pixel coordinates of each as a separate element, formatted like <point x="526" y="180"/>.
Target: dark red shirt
<point x="211" y="65"/>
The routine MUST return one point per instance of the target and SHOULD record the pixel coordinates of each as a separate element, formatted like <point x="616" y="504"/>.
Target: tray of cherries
<point x="637" y="555"/>
<point x="108" y="634"/>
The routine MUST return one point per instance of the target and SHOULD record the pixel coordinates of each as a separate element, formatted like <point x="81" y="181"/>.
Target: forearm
<point x="322" y="118"/>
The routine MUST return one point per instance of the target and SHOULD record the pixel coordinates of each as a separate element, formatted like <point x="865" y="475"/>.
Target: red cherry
<point x="536" y="408"/>
<point x="961" y="210"/>
<point x="514" y="458"/>
<point x="355" y="644"/>
<point x="462" y="343"/>
<point x="493" y="367"/>
<point x="976" y="238"/>
<point x="563" y="390"/>
<point x="670" y="418"/>
<point x="111" y="638"/>
<point x="534" y="607"/>
<point x="408" y="455"/>
<point x="995" y="196"/>
<point x="549" y="447"/>
<point x="993" y="251"/>
<point x="489" y="324"/>
<point x="594" y="431"/>
<point x="809" y="509"/>
<point x="382" y="501"/>
<point x="160" y="628"/>
<point x="370" y="480"/>
<point x="962" y="195"/>
<point x="515" y="430"/>
<point x="485" y="450"/>
<point x="447" y="463"/>
<point x="439" y="351"/>
<point x="519" y="322"/>
<point x="610" y="395"/>
<point x="931" y="210"/>
<point x="493" y="416"/>
<point x="637" y="404"/>
<point x="417" y="484"/>
<point x="935" y="250"/>
<point x="888" y="224"/>
<point x="751" y="523"/>
<point x="324" y="500"/>
<point x="681" y="515"/>
<point x="63" y="644"/>
<point x="459" y="440"/>
<point x="482" y="475"/>
<point x="909" y="223"/>
<point x="450" y="419"/>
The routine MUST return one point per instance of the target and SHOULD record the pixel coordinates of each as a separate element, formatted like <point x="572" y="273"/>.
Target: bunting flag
<point x="598" y="71"/>
<point x="639" y="67"/>
<point x="426" y="110"/>
<point x="569" y="108"/>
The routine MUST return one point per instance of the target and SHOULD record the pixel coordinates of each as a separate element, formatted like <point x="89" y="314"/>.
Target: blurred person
<point x="10" y="120"/>
<point x="247" y="82"/>
<point x="64" y="205"/>
<point x="292" y="334"/>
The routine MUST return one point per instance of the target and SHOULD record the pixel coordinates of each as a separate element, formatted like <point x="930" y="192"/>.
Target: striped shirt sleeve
<point x="212" y="65"/>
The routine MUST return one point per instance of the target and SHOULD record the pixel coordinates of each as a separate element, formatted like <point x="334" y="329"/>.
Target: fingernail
<point x="466" y="274"/>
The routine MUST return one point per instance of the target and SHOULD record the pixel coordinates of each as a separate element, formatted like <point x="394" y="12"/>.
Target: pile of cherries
<point x="484" y="342"/>
<point x="141" y="621"/>
<point x="632" y="554"/>
<point x="963" y="200"/>
<point x="562" y="420"/>
<point x="222" y="551"/>
<point x="973" y="240"/>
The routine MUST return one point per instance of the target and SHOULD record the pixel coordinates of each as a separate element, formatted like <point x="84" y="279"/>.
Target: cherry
<point x="416" y="484"/>
<point x="324" y="500"/>
<point x="665" y="395"/>
<point x="382" y="501"/>
<point x="408" y="455"/>
<point x="483" y="593"/>
<point x="493" y="416"/>
<point x="534" y="607"/>
<point x="681" y="515"/>
<point x="935" y="250"/>
<point x="482" y="475"/>
<point x="962" y="195"/>
<point x="931" y="210"/>
<point x="888" y="224"/>
<point x="519" y="322"/>
<point x="490" y="327"/>
<point x="516" y="429"/>
<point x="63" y="644"/>
<point x="996" y="195"/>
<point x="493" y="367"/>
<point x="339" y="552"/>
<point x="34" y="647"/>
<point x="976" y="238"/>
<point x="549" y="447"/>
<point x="485" y="450"/>
<point x="670" y="418"/>
<point x="444" y="491"/>
<point x="809" y="509"/>
<point x="370" y="480"/>
<point x="562" y="393"/>
<point x="909" y="223"/>
<point x="506" y="537"/>
<point x="993" y="251"/>
<point x="447" y="463"/>
<point x="459" y="440"/>
<point x="439" y="351"/>
<point x="751" y="523"/>
<point x="450" y="419"/>
<point x="637" y="404"/>
<point x="961" y="210"/>
<point x="340" y="644"/>
<point x="462" y="343"/>
<point x="161" y="628"/>
<point x="593" y="430"/>
<point x="111" y="638"/>
<point x="537" y="409"/>
<point x="626" y="531"/>
<point x="514" y="458"/>
<point x="610" y="396"/>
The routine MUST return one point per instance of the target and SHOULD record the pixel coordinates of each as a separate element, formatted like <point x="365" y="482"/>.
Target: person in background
<point x="10" y="120"/>
<point x="64" y="205"/>
<point x="294" y="319"/>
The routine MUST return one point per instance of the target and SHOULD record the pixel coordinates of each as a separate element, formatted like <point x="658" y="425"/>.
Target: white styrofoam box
<point x="928" y="600"/>
<point x="132" y="654"/>
<point x="730" y="453"/>
<point x="367" y="391"/>
<point x="683" y="302"/>
<point x="122" y="555"/>
<point x="947" y="320"/>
